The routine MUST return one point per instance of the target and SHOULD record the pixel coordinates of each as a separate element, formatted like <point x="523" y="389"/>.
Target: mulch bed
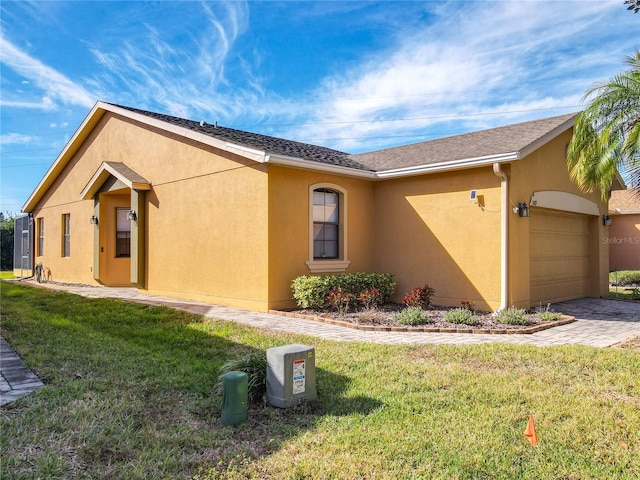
<point x="382" y="319"/>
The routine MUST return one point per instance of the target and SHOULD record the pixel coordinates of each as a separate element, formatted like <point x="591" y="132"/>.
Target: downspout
<point x="504" y="235"/>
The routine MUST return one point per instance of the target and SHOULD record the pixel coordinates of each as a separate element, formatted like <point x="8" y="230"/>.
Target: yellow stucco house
<point x="624" y="233"/>
<point x="194" y="210"/>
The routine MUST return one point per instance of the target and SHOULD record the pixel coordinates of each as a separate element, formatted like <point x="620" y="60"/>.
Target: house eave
<point x="79" y="136"/>
<point x="311" y="165"/>
<point x="543" y="140"/>
<point x="452" y="165"/>
<point x="105" y="171"/>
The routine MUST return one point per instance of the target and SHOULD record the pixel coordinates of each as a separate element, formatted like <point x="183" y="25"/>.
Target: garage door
<point x="559" y="249"/>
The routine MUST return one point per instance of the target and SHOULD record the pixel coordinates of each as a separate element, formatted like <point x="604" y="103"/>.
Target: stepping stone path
<point x="16" y="380"/>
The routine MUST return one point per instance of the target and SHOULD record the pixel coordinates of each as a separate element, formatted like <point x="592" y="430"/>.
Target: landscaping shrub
<point x="625" y="277"/>
<point x="513" y="316"/>
<point x="468" y="305"/>
<point x="461" y="316"/>
<point x="313" y="291"/>
<point x="340" y="300"/>
<point x="419" y="297"/>
<point x="412" y="316"/>
<point x="254" y="364"/>
<point x="371" y="298"/>
<point x="547" y="314"/>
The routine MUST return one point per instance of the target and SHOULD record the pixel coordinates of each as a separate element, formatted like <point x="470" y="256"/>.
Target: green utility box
<point x="291" y="375"/>
<point x="234" y="398"/>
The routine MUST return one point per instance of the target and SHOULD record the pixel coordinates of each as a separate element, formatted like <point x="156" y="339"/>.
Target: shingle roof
<point x="266" y="143"/>
<point x="495" y="141"/>
<point x="624" y="201"/>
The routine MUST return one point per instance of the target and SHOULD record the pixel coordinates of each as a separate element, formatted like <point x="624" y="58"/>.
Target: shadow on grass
<point x="129" y="390"/>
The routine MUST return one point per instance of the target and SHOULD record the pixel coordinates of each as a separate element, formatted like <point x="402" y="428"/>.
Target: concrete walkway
<point x="16" y="380"/>
<point x="599" y="323"/>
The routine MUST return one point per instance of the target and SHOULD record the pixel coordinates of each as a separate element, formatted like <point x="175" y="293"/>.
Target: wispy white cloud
<point x="486" y="62"/>
<point x="44" y="104"/>
<point x="57" y="87"/>
<point x="15" y="138"/>
<point x="184" y="80"/>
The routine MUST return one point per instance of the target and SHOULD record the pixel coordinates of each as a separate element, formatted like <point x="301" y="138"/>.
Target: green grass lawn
<point x="128" y="386"/>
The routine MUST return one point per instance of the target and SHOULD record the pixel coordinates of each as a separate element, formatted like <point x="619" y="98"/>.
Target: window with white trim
<point x="327" y="229"/>
<point x="66" y="235"/>
<point x="326" y="224"/>
<point x="123" y="233"/>
<point x="40" y="233"/>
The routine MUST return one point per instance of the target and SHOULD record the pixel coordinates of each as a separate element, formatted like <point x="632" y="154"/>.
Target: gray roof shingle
<point x="266" y="143"/>
<point x="495" y="141"/>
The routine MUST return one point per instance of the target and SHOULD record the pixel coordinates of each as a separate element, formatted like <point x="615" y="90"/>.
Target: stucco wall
<point x="289" y="226"/>
<point x="63" y="197"/>
<point x="427" y="230"/>
<point x="623" y="238"/>
<point x="546" y="169"/>
<point x="206" y="215"/>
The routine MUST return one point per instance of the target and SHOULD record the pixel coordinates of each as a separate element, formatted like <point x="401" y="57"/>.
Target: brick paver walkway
<point x="16" y="380"/>
<point x="600" y="323"/>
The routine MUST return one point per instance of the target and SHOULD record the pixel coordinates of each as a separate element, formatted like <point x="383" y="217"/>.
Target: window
<point x="123" y="233"/>
<point x="66" y="235"/>
<point x="326" y="224"/>
<point x="40" y="233"/>
<point x="327" y="229"/>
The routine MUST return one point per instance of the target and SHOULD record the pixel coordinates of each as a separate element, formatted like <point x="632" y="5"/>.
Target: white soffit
<point x="564" y="201"/>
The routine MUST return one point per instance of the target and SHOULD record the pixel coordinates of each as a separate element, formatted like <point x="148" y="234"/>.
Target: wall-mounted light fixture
<point x="522" y="209"/>
<point x="131" y="215"/>
<point x="606" y="220"/>
<point x="93" y="220"/>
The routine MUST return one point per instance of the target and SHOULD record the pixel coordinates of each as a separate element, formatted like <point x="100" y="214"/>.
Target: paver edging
<point x="566" y="319"/>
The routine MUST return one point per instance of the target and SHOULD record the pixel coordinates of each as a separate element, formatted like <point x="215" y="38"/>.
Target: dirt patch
<point x="632" y="343"/>
<point x="382" y="319"/>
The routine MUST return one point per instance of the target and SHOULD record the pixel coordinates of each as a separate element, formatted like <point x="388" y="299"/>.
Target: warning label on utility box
<point x="298" y="376"/>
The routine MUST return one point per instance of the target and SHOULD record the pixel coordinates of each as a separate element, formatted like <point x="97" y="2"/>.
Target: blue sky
<point x="355" y="76"/>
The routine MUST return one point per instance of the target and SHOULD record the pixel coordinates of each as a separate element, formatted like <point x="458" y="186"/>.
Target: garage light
<point x="522" y="209"/>
<point x="606" y="220"/>
<point x="93" y="220"/>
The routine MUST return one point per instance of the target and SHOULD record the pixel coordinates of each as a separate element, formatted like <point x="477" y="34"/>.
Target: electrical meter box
<point x="291" y="375"/>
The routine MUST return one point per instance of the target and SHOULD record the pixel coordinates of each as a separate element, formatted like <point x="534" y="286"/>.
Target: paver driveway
<point x="600" y="322"/>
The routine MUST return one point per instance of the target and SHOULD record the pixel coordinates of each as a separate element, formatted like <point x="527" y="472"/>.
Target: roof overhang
<point x="118" y="170"/>
<point x="452" y="165"/>
<point x="100" y="108"/>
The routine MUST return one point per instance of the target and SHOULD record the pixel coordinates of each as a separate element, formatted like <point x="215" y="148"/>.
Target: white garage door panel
<point x="559" y="256"/>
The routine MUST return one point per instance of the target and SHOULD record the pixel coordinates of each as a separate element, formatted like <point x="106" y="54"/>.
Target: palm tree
<point x="606" y="135"/>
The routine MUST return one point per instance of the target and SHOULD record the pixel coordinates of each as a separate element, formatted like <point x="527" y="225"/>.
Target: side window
<point x="66" y="235"/>
<point x="327" y="228"/>
<point x="123" y="233"/>
<point x="40" y="230"/>
<point x="326" y="223"/>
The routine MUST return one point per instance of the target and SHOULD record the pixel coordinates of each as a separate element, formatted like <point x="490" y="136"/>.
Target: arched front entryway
<point x="119" y="219"/>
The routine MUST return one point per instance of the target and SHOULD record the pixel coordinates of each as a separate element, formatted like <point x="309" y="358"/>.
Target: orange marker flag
<point x="530" y="432"/>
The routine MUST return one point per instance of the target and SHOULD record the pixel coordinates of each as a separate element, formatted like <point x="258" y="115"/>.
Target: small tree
<point x="6" y="241"/>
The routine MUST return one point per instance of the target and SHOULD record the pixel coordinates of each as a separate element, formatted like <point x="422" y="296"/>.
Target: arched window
<point x="327" y="229"/>
<point x="326" y="223"/>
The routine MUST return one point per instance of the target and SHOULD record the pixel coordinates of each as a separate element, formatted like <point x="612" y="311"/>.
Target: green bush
<point x="513" y="316"/>
<point x="461" y="316"/>
<point x="412" y="316"/>
<point x="625" y="277"/>
<point x="254" y="364"/>
<point x="312" y="291"/>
